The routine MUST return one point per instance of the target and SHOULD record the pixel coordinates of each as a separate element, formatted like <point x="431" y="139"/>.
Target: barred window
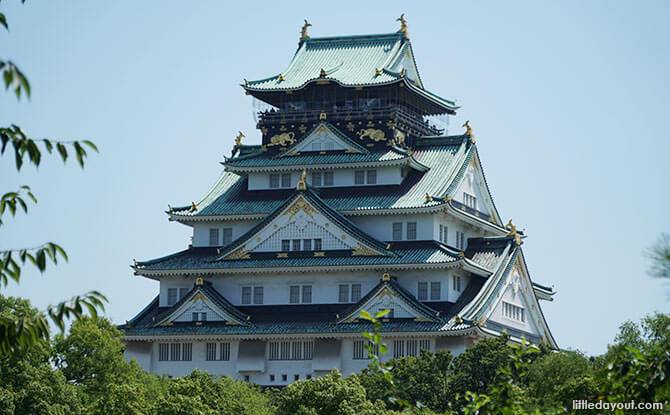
<point x="328" y="178"/>
<point x="443" y="234"/>
<point x="218" y="351"/>
<point x="344" y="293"/>
<point x="286" y="245"/>
<point x="194" y="316"/>
<point x="203" y="316"/>
<point x="317" y="244"/>
<point x="470" y="200"/>
<point x="258" y="295"/>
<point x="460" y="240"/>
<point x="398" y="348"/>
<point x="411" y="231"/>
<point x="435" y="288"/>
<point x="410" y="347"/>
<point x="187" y="352"/>
<point x="183" y="291"/>
<point x="359" y="177"/>
<point x="316" y="178"/>
<point x="457" y="283"/>
<point x="175" y="351"/>
<point x="306" y="244"/>
<point x="307" y="294"/>
<point x="422" y="291"/>
<point x="295" y="245"/>
<point x="172" y="296"/>
<point x="286" y="180"/>
<point x="227" y="236"/>
<point x="246" y="295"/>
<point x="294" y="294"/>
<point x="355" y="292"/>
<point x="163" y="351"/>
<point x="274" y="181"/>
<point x="360" y="352"/>
<point x="291" y="350"/>
<point x="397" y="231"/>
<point x="213" y="236"/>
<point x="372" y="176"/>
<point x="514" y="312"/>
<point x="424" y="344"/>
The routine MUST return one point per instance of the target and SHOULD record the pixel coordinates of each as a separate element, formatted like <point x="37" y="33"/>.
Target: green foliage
<point x="18" y="331"/>
<point x="659" y="254"/>
<point x="327" y="395"/>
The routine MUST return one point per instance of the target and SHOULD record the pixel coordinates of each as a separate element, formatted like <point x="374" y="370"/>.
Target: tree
<point x="18" y="332"/>
<point x="659" y="254"/>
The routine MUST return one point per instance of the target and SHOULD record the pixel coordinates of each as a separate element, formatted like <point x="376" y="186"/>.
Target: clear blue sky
<point x="568" y="100"/>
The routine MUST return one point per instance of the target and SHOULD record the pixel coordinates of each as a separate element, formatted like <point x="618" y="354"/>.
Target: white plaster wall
<point x="141" y="352"/>
<point x="518" y="297"/>
<point x="381" y="227"/>
<point x="473" y="183"/>
<point x="341" y="177"/>
<point x="201" y="230"/>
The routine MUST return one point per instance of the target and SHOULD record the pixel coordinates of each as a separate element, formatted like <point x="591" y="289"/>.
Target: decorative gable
<point x="303" y="224"/>
<point x="203" y="304"/>
<point x="388" y="295"/>
<point x="325" y="137"/>
<point x="473" y="191"/>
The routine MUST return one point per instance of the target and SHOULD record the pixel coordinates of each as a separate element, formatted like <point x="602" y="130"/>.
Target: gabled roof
<point x="305" y="201"/>
<point x="444" y="156"/>
<point x="348" y="60"/>
<point x="389" y="286"/>
<point x="204" y="289"/>
<point x="325" y="127"/>
<point x="200" y="261"/>
<point x="352" y="61"/>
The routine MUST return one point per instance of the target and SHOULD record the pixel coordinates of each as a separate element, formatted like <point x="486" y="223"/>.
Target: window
<point x="344" y="293"/>
<point x="397" y="231"/>
<point x="361" y="351"/>
<point x="460" y="240"/>
<point x="218" y="351"/>
<point x="274" y="181"/>
<point x="514" y="312"/>
<point x="163" y="351"/>
<point x="443" y="234"/>
<point x="317" y="244"/>
<point x="175" y="351"/>
<point x="316" y="178"/>
<point x="172" y="296"/>
<point x="286" y="245"/>
<point x="284" y="378"/>
<point x="213" y="237"/>
<point x="195" y="316"/>
<point x="246" y="295"/>
<point x="359" y="177"/>
<point x="328" y="178"/>
<point x="306" y="244"/>
<point x="413" y="347"/>
<point x="258" y="295"/>
<point x="183" y="291"/>
<point x="457" y="283"/>
<point x="291" y="350"/>
<point x="435" y="291"/>
<point x="469" y="200"/>
<point x="355" y="292"/>
<point x="372" y="176"/>
<point x="294" y="295"/>
<point x="246" y="378"/>
<point x="295" y="245"/>
<point x="422" y="291"/>
<point x="309" y="377"/>
<point x="307" y="294"/>
<point x="227" y="236"/>
<point x="411" y="231"/>
<point x="286" y="180"/>
<point x="296" y="377"/>
<point x="272" y="378"/>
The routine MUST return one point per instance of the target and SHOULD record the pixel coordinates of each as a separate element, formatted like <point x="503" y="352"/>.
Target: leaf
<point x="3" y="21"/>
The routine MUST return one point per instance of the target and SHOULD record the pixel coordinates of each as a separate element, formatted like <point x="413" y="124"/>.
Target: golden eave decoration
<point x="302" y="183"/>
<point x="362" y="250"/>
<point x="239" y="253"/>
<point x="300" y="205"/>
<point x="513" y="232"/>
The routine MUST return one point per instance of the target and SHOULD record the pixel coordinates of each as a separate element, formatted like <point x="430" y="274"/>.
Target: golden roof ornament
<point x="280" y="78"/>
<point x="323" y="73"/>
<point x="468" y="129"/>
<point x="303" y="31"/>
<point x="238" y="139"/>
<point x="429" y="198"/>
<point x="378" y="72"/>
<point x="513" y="232"/>
<point x="403" y="24"/>
<point x="302" y="183"/>
<point x="386" y="277"/>
<point x="194" y="206"/>
<point x="199" y="281"/>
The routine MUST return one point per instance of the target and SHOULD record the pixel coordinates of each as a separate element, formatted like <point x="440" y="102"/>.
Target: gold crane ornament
<point x="238" y="139"/>
<point x="303" y="32"/>
<point x="403" y="24"/>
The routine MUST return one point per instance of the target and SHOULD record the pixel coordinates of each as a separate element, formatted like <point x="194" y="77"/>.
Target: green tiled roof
<point x="265" y="159"/>
<point x="366" y="60"/>
<point x="204" y="258"/>
<point x="446" y="158"/>
<point x="349" y="60"/>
